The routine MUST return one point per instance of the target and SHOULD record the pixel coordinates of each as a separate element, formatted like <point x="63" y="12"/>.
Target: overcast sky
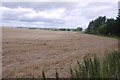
<point x="55" y="14"/>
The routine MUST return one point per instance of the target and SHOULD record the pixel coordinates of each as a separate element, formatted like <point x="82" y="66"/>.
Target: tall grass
<point x="93" y="67"/>
<point x="43" y="75"/>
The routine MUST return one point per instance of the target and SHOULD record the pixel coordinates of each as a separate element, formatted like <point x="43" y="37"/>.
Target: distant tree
<point x="90" y="27"/>
<point x="68" y="29"/>
<point x="95" y="24"/>
<point x="111" y="28"/>
<point x="74" y="29"/>
<point x="62" y="29"/>
<point x="102" y="25"/>
<point x="79" y="29"/>
<point x="102" y="29"/>
<point x="118" y="23"/>
<point x="118" y="17"/>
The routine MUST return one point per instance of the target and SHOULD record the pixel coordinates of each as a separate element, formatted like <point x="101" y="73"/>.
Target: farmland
<point x="26" y="52"/>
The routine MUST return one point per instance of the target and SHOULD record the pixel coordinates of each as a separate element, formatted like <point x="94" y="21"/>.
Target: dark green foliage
<point x="104" y="26"/>
<point x="79" y="29"/>
<point x="62" y="29"/>
<point x="95" y="24"/>
<point x="73" y="29"/>
<point x="111" y="65"/>
<point x="118" y="23"/>
<point x="102" y="29"/>
<point x="90" y="68"/>
<point x="67" y="29"/>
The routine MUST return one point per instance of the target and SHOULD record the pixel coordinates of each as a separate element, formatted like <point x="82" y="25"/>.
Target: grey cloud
<point x="93" y="10"/>
<point x="75" y="14"/>
<point x="40" y="5"/>
<point x="52" y="21"/>
<point x="99" y="4"/>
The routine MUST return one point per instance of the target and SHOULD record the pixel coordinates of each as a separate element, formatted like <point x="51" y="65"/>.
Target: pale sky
<point x="55" y="14"/>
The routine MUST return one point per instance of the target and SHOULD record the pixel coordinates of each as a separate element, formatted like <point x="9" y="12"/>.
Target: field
<point x="27" y="52"/>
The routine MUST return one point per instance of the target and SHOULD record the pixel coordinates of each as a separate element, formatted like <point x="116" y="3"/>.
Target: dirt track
<point x="27" y="52"/>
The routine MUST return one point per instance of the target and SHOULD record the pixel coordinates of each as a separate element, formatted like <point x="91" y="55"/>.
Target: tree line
<point x="104" y="26"/>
